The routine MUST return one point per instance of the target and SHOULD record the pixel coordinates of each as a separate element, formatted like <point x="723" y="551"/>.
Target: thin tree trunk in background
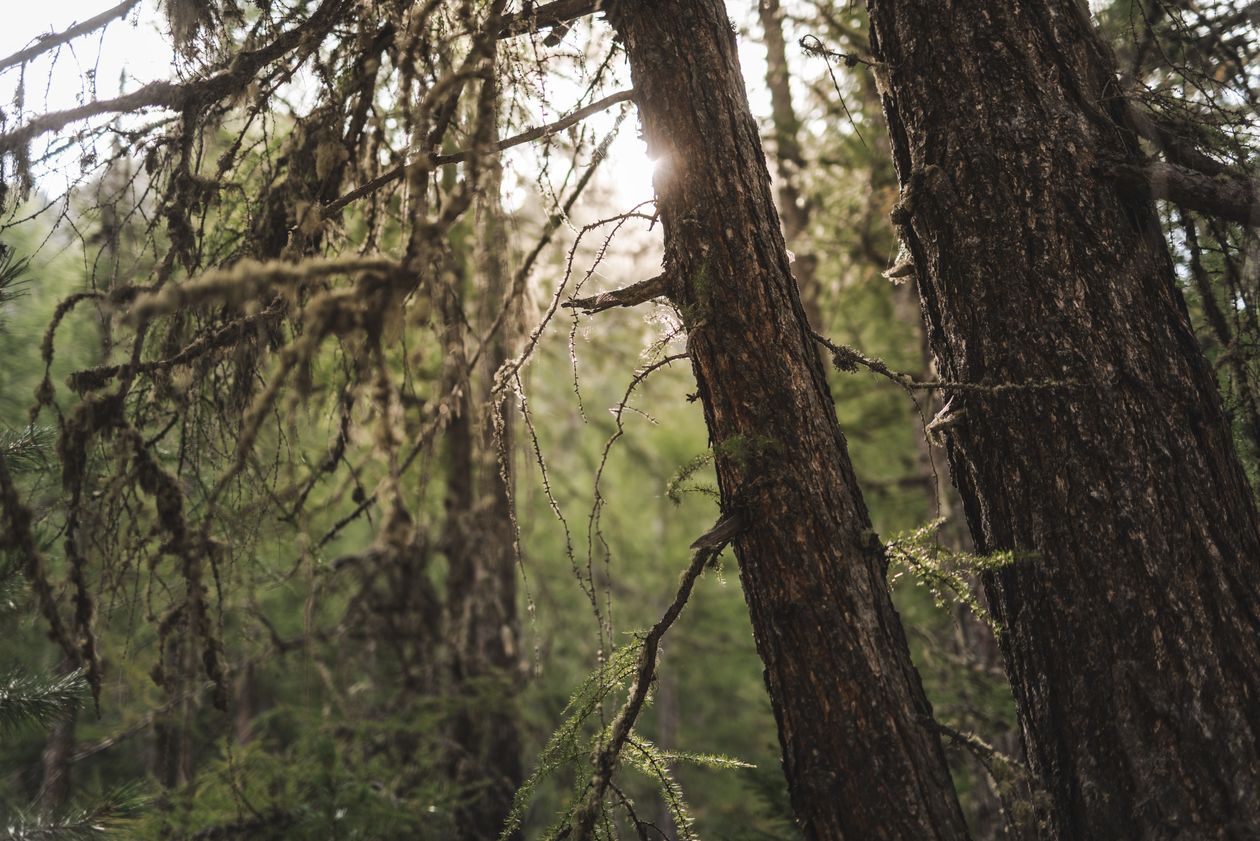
<point x="794" y="206"/>
<point x="991" y="813"/>
<point x="860" y="755"/>
<point x="483" y="625"/>
<point x="667" y="721"/>
<point x="1219" y="325"/>
<point x="1132" y="623"/>
<point x="56" y="764"/>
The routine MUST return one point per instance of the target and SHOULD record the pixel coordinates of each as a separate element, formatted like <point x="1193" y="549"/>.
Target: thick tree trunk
<point x="859" y="750"/>
<point x="1133" y="621"/>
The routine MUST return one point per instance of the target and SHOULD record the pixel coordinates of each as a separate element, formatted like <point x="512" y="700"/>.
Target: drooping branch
<point x="18" y="536"/>
<point x="629" y="296"/>
<point x="536" y="133"/>
<point x="56" y="39"/>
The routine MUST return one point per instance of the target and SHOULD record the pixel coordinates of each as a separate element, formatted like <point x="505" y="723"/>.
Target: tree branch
<point x="56" y="39"/>
<point x="704" y="550"/>
<point x="546" y="16"/>
<point x="240" y="72"/>
<point x="629" y="296"/>
<point x="1176" y="149"/>
<point x="1232" y="198"/>
<point x="536" y="133"/>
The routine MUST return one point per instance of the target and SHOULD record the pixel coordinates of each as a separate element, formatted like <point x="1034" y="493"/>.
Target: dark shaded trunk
<point x="860" y="755"/>
<point x="1132" y="631"/>
<point x="482" y="624"/>
<point x="56" y="763"/>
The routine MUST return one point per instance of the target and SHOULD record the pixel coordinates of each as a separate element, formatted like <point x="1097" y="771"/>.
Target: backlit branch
<point x="232" y="79"/>
<point x="536" y="133"/>
<point x="705" y="550"/>
<point x="54" y="40"/>
<point x="547" y="15"/>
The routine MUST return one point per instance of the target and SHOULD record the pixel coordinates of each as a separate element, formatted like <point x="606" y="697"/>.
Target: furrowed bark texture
<point x="1132" y="631"/>
<point x="861" y="758"/>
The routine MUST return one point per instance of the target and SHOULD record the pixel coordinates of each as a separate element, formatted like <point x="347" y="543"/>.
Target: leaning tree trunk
<point x="1132" y="618"/>
<point x="861" y="757"/>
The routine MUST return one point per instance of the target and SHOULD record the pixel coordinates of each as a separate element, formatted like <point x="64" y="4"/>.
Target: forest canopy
<point x="645" y="419"/>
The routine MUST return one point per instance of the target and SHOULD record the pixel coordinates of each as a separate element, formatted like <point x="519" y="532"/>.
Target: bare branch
<point x="632" y="295"/>
<point x="456" y="157"/>
<point x="233" y="78"/>
<point x="153" y="95"/>
<point x="53" y="40"/>
<point x="547" y="16"/>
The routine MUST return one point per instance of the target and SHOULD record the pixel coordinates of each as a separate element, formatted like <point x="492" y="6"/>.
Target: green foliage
<point x="945" y="572"/>
<point x="27" y="449"/>
<point x="35" y="700"/>
<point x="12" y="278"/>
<point x="680" y="483"/>
<point x="105" y="817"/>
<point x="655" y="763"/>
<point x="565" y="747"/>
<point x="572" y="744"/>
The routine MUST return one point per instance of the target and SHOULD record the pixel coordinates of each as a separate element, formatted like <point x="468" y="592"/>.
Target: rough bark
<point x="1132" y="632"/>
<point x="859" y="751"/>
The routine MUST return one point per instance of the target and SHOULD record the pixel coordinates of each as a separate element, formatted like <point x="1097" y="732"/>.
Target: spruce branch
<point x="102" y="818"/>
<point x="35" y="700"/>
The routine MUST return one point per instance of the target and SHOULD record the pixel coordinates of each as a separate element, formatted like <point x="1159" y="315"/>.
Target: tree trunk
<point x="482" y="622"/>
<point x="56" y="765"/>
<point x="860" y="754"/>
<point x="1132" y="632"/>
<point x="794" y="206"/>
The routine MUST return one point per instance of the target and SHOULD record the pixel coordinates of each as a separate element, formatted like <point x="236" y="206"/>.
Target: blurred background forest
<point x="312" y="681"/>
